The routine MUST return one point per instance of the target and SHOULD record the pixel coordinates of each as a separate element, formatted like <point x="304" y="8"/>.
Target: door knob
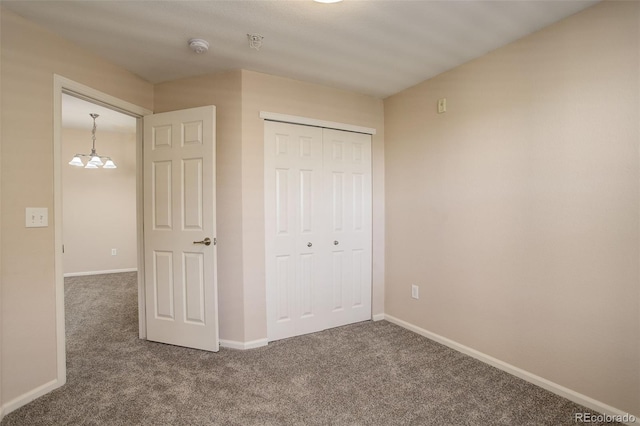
<point x="206" y="242"/>
<point x="335" y="243"/>
<point x="309" y="244"/>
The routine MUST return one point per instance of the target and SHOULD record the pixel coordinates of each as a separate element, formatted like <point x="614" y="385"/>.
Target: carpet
<point x="362" y="374"/>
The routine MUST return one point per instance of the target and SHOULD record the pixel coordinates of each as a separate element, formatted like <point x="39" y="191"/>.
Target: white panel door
<point x="179" y="217"/>
<point x="318" y="228"/>
<point x="347" y="168"/>
<point x="295" y="244"/>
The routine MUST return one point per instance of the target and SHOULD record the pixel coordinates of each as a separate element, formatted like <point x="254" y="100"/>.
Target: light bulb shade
<point x="96" y="160"/>
<point x="109" y="164"/>
<point x="76" y="161"/>
<point x="90" y="165"/>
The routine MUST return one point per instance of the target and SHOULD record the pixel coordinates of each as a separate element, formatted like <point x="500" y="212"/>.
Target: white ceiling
<point x="75" y="115"/>
<point x="375" y="47"/>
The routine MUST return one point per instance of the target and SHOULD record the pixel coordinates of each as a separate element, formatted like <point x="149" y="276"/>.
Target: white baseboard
<point x="231" y="344"/>
<point x="110" y="271"/>
<point x="26" y="398"/>
<point x="378" y="317"/>
<point x="567" y="393"/>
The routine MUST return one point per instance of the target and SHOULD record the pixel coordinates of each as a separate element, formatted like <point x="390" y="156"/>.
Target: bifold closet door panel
<point x="347" y="170"/>
<point x="318" y="228"/>
<point x="295" y="241"/>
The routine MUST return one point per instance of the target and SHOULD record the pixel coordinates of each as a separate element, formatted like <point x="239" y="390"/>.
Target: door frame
<point x="64" y="85"/>
<point x="307" y="121"/>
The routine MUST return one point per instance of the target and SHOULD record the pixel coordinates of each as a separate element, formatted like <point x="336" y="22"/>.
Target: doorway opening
<point x="98" y="222"/>
<point x="98" y="204"/>
<point x="73" y="93"/>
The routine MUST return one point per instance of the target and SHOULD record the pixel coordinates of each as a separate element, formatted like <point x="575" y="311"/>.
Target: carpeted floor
<point x="363" y="374"/>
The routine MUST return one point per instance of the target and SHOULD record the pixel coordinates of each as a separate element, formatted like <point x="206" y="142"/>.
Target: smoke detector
<point x="199" y="45"/>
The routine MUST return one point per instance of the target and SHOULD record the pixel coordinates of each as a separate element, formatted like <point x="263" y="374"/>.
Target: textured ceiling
<point x="375" y="47"/>
<point x="75" y="115"/>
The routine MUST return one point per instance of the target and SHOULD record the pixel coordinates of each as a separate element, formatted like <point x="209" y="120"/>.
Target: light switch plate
<point x="36" y="217"/>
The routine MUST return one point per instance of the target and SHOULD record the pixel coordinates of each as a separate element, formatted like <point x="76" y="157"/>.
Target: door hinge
<point x="215" y="241"/>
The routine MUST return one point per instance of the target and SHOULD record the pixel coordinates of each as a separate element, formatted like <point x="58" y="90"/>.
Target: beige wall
<point x="239" y="97"/>
<point x="30" y="57"/>
<point x="516" y="211"/>
<point x="99" y="205"/>
<point x="262" y="92"/>
<point x="223" y="91"/>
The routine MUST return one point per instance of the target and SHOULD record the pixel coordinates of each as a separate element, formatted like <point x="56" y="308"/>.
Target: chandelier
<point x="95" y="160"/>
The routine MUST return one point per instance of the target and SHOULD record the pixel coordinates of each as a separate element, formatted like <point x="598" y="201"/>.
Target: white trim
<point x="142" y="307"/>
<point x="518" y="372"/>
<point x="378" y="317"/>
<point x="110" y="271"/>
<point x="91" y="94"/>
<point x="26" y="398"/>
<point x="62" y="84"/>
<point x="231" y="344"/>
<point x="61" y="354"/>
<point x="294" y="119"/>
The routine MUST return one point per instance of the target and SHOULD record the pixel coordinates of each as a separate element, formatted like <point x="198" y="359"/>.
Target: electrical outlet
<point x="114" y="252"/>
<point x="415" y="292"/>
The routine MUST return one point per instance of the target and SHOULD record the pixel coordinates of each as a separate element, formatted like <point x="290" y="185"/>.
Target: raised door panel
<point x="162" y="283"/>
<point x="161" y="192"/>
<point x="284" y="291"/>
<point x="192" y="194"/>
<point x="193" y="286"/>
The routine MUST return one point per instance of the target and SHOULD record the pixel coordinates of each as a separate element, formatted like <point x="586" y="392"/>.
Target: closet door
<point x="318" y="228"/>
<point x="347" y="168"/>
<point x="295" y="233"/>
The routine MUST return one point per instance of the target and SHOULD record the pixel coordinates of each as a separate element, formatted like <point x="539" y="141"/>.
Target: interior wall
<point x="30" y="57"/>
<point x="262" y="92"/>
<point x="99" y="205"/>
<point x="239" y="97"/>
<point x="223" y="91"/>
<point x="516" y="211"/>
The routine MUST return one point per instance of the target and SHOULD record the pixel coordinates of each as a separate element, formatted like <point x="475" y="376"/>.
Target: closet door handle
<point x="335" y="243"/>
<point x="309" y="244"/>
